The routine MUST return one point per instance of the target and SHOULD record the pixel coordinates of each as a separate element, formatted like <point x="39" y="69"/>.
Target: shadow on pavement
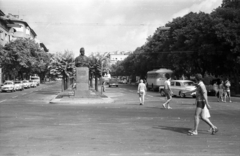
<point x="174" y="129"/>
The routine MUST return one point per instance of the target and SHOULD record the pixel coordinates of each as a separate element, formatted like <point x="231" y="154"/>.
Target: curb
<point x="82" y="101"/>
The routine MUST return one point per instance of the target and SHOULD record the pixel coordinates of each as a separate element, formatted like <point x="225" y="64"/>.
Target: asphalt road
<point x="30" y="126"/>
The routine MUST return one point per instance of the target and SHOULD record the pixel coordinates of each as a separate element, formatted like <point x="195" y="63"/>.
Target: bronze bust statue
<point x="81" y="60"/>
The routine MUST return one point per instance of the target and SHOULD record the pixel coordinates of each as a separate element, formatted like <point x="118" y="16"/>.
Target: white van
<point x="156" y="78"/>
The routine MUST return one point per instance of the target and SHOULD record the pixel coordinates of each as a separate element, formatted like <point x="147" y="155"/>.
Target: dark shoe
<point x="214" y="131"/>
<point x="140" y="103"/>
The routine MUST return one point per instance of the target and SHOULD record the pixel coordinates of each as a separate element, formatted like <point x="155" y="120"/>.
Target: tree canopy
<point x="24" y="57"/>
<point x="195" y="43"/>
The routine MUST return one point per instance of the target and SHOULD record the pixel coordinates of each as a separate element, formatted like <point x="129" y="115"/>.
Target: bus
<point x="156" y="78"/>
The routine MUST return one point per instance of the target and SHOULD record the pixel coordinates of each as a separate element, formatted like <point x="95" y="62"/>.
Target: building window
<point x="28" y="31"/>
<point x="2" y="36"/>
<point x="6" y="37"/>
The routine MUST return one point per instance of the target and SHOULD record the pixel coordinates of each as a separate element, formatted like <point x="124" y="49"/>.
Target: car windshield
<point x="8" y="83"/>
<point x="34" y="78"/>
<point x="25" y="81"/>
<point x="188" y="84"/>
<point x="17" y="82"/>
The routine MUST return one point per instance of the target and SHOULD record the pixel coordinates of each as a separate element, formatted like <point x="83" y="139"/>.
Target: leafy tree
<point x="98" y="63"/>
<point x="24" y="57"/>
<point x="94" y="70"/>
<point x="227" y="30"/>
<point x="63" y="64"/>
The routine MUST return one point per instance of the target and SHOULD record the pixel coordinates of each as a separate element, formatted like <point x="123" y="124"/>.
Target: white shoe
<point x="164" y="105"/>
<point x="193" y="133"/>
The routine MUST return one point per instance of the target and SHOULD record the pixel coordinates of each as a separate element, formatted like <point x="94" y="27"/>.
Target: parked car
<point x="35" y="79"/>
<point x="180" y="87"/>
<point x="26" y="84"/>
<point x="124" y="81"/>
<point x="33" y="83"/>
<point x="8" y="86"/>
<point x="19" y="85"/>
<point x="113" y="82"/>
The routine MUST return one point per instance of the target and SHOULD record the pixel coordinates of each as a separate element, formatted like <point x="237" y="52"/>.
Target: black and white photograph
<point x="119" y="77"/>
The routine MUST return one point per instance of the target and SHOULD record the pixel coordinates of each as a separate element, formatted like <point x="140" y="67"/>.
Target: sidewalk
<point x="67" y="97"/>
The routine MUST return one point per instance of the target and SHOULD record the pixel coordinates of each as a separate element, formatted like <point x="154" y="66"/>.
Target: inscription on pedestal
<point x="82" y="78"/>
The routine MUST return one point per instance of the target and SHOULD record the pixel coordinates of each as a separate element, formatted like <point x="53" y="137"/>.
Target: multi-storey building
<point x="118" y="56"/>
<point x="12" y="28"/>
<point x="231" y="3"/>
<point x="6" y="31"/>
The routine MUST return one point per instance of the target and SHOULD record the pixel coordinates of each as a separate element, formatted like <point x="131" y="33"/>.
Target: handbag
<point x="205" y="112"/>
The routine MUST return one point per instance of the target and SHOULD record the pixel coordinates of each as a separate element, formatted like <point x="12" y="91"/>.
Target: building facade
<point x="6" y="31"/>
<point x="118" y="56"/>
<point x="12" y="28"/>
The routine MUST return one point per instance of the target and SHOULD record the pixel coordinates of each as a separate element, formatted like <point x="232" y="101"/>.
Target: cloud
<point x="100" y="25"/>
<point x="204" y="6"/>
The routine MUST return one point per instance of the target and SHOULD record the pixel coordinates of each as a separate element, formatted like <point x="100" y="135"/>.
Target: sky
<point x="100" y="25"/>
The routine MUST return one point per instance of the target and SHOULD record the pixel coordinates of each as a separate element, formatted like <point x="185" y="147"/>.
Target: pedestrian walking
<point x="227" y="85"/>
<point x="215" y="88"/>
<point x="202" y="101"/>
<point x="168" y="91"/>
<point x="220" y="90"/>
<point x="142" y="89"/>
<point x="103" y="86"/>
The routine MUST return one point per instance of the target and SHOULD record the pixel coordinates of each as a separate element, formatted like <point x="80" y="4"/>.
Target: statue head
<point x="82" y="51"/>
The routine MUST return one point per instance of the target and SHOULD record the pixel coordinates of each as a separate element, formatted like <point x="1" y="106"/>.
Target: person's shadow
<point x="182" y="130"/>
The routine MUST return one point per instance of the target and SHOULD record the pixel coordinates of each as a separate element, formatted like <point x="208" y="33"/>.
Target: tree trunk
<point x="91" y="83"/>
<point x="96" y="83"/>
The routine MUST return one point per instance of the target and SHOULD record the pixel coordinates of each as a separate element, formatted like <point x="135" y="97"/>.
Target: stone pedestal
<point x="82" y="82"/>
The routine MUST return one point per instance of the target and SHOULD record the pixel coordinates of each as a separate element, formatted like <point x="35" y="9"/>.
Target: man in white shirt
<point x="141" y="91"/>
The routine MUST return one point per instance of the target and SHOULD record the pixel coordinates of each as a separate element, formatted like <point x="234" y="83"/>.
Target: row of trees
<point x="23" y="57"/>
<point x="196" y="43"/>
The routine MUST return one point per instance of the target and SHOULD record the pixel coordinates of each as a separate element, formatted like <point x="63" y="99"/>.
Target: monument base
<point x="85" y="94"/>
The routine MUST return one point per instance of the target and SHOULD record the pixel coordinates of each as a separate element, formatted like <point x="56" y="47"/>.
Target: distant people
<point x="103" y="86"/>
<point x="227" y="86"/>
<point x="215" y="88"/>
<point x="142" y="89"/>
<point x="168" y="91"/>
<point x="220" y="90"/>
<point x="201" y="101"/>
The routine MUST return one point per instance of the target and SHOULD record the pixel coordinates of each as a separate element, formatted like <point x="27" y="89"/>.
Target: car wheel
<point x="109" y="85"/>
<point x="162" y="93"/>
<point x="117" y="86"/>
<point x="182" y="95"/>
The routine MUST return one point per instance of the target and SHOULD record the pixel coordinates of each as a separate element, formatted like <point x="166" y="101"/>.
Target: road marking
<point x="15" y="96"/>
<point x="2" y="101"/>
<point x="24" y="93"/>
<point x="150" y="95"/>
